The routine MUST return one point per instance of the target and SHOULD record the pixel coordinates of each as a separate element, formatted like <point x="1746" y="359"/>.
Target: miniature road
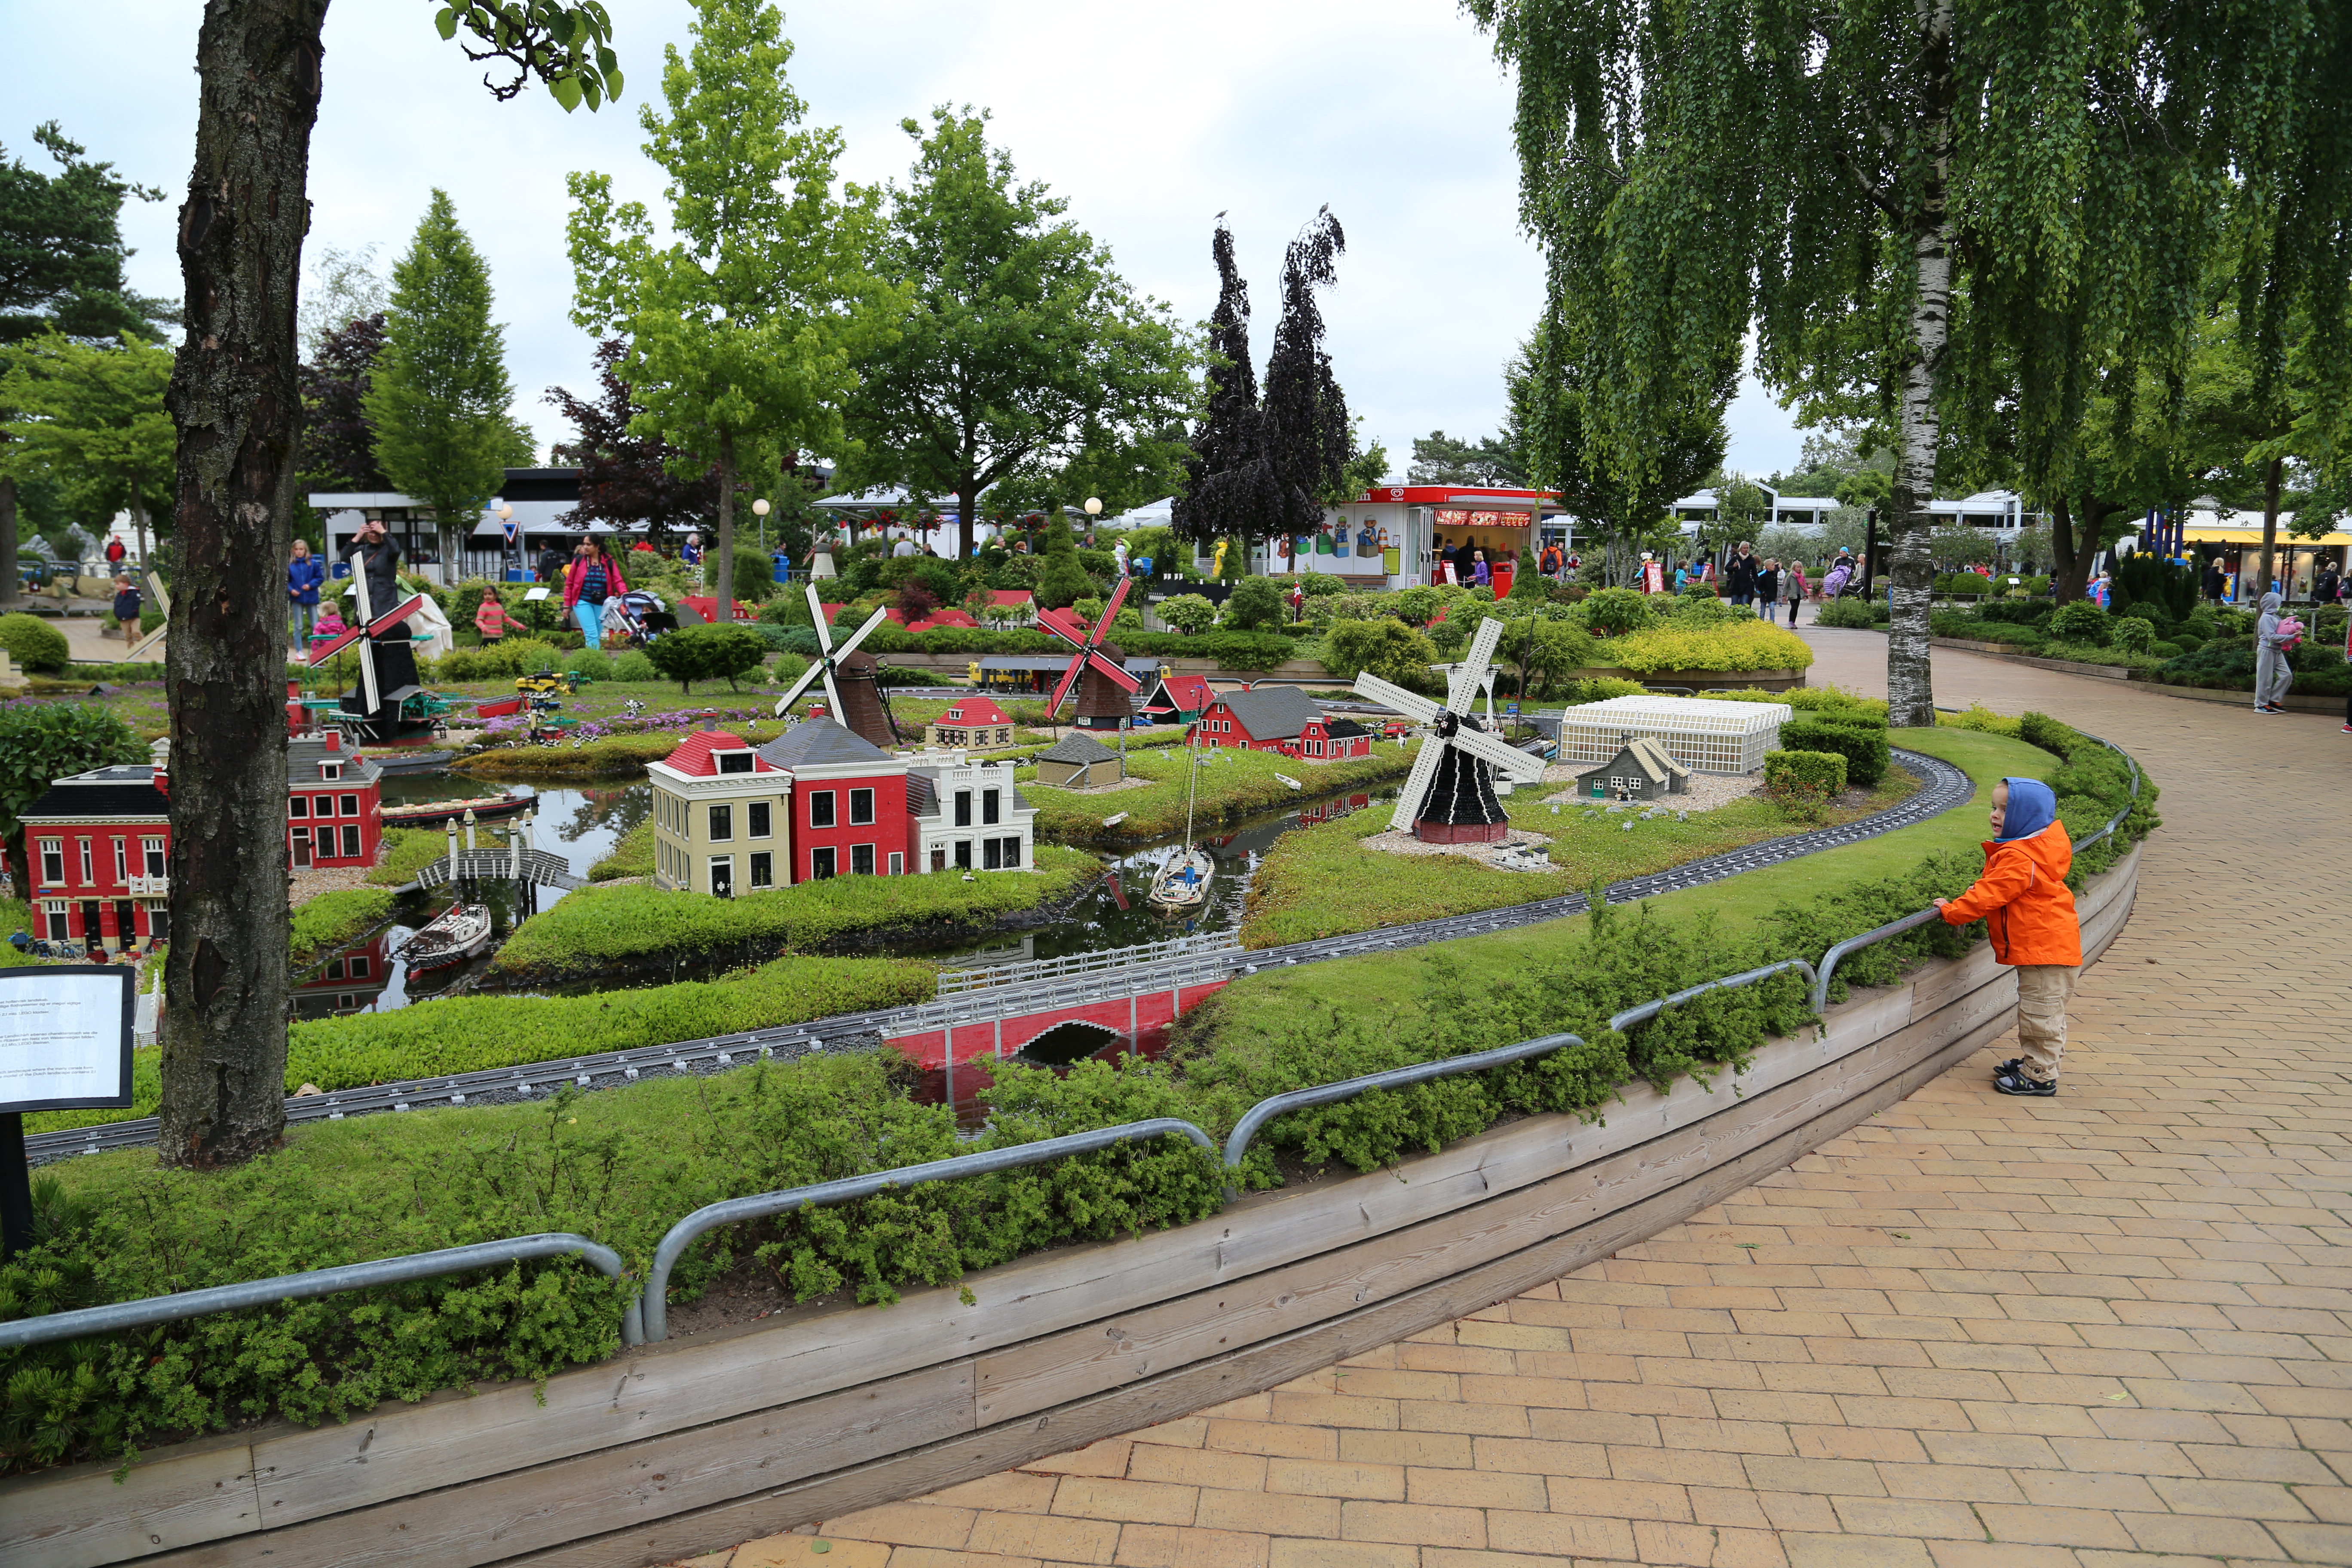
<point x="2111" y="1331"/>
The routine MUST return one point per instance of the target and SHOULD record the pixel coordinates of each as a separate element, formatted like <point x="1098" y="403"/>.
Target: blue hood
<point x="2031" y="808"/>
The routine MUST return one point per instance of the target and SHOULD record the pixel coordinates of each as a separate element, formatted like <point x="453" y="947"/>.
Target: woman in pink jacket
<point x="592" y="577"/>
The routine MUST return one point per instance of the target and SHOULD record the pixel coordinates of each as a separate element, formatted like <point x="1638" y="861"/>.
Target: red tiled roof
<point x="1190" y="692"/>
<point x="1012" y="595"/>
<point x="973" y="712"/>
<point x="693" y="756"/>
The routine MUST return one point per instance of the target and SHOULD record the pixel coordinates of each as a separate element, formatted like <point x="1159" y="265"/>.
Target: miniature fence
<point x="953" y="981"/>
<point x="1704" y="736"/>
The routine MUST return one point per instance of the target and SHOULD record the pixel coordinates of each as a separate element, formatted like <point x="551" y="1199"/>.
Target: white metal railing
<point x="1030" y="972"/>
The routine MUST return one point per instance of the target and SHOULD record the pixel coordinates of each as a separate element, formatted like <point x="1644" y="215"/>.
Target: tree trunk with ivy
<point x="234" y="397"/>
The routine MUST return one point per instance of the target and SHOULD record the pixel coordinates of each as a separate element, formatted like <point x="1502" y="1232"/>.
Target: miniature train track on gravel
<point x="1943" y="786"/>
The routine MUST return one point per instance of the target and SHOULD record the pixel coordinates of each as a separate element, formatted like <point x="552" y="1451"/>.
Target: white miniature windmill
<point x="864" y="712"/>
<point x="1449" y="796"/>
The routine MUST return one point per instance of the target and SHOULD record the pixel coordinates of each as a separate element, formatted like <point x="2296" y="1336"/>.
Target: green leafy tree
<point x="1930" y="214"/>
<point x="1022" y="352"/>
<point x="237" y="404"/>
<point x="91" y="421"/>
<point x="1254" y="605"/>
<point x="1381" y="645"/>
<point x="1188" y="613"/>
<point x="1628" y="509"/>
<point x="1491" y="462"/>
<point x="61" y="256"/>
<point x="42" y="742"/>
<point x="742" y="331"/>
<point x="706" y="653"/>
<point x="438" y="392"/>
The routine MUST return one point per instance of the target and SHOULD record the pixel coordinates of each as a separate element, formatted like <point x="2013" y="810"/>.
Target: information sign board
<point x="64" y="1037"/>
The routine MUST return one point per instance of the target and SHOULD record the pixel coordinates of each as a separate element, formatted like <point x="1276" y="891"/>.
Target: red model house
<point x="1279" y="719"/>
<point x="334" y="804"/>
<point x="1178" y="698"/>
<point x="100" y="847"/>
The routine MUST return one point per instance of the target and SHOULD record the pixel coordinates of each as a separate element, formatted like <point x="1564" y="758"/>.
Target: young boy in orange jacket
<point x="2024" y="901"/>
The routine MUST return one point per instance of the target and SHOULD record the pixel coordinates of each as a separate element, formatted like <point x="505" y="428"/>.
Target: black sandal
<point x="2012" y="1080"/>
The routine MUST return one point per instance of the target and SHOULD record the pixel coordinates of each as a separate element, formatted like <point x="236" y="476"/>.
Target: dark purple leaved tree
<point x="338" y="442"/>
<point x="1230" y="490"/>
<point x="626" y="478"/>
<point x="1306" y="414"/>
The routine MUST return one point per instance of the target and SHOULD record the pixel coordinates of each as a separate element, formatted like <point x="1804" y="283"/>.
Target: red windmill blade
<point x="1086" y="655"/>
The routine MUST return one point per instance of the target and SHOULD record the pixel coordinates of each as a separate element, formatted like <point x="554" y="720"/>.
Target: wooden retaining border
<point x="693" y="1445"/>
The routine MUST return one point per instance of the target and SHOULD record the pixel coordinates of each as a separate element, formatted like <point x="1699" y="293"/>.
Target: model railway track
<point x="1943" y="786"/>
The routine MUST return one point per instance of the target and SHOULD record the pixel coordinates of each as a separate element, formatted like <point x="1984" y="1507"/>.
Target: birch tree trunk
<point x="1910" y="686"/>
<point x="2273" y="481"/>
<point x="233" y="399"/>
<point x="725" y="576"/>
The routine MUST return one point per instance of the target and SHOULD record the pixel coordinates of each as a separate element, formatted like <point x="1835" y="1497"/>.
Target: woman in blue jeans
<point x="592" y="577"/>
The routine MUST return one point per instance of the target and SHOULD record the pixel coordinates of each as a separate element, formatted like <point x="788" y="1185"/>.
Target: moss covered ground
<point x="1234" y="784"/>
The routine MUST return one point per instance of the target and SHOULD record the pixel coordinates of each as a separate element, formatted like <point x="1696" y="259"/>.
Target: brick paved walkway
<point x="2110" y="1332"/>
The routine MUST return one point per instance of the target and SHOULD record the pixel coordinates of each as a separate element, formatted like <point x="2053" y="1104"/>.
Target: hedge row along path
<point x="2106" y="1330"/>
<point x="1943" y="786"/>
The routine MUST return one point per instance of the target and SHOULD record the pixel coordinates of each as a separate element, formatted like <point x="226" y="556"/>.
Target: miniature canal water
<point x="581" y="824"/>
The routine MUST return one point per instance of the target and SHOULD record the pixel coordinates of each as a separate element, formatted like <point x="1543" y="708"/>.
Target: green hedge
<point x="591" y="931"/>
<point x="330" y="919"/>
<point x="1803" y="778"/>
<point x="1859" y="615"/>
<point x="33" y="644"/>
<point x="1865" y="748"/>
<point x="632" y="855"/>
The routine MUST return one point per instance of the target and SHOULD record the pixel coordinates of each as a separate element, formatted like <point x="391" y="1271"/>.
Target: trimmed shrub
<point x="1866" y="749"/>
<point x="1857" y="615"/>
<point x="1601" y="688"/>
<point x="1386" y="646"/>
<point x="635" y="665"/>
<point x="755" y="577"/>
<point x="33" y="643"/>
<point x="713" y="653"/>
<point x="1803" y="782"/>
<point x="1254" y="605"/>
<point x="1188" y="613"/>
<point x="590" y="662"/>
<point x="1613" y="612"/>
<point x="1739" y="645"/>
<point x="503" y="659"/>
<point x="2132" y="634"/>
<point x="2083" y="623"/>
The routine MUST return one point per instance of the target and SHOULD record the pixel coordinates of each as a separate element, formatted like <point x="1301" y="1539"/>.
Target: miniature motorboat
<point x="431" y="812"/>
<point x="1182" y="881"/>
<point x="456" y="934"/>
<point x="395" y="764"/>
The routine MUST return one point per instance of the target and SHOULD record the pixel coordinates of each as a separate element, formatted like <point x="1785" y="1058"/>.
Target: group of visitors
<point x="1762" y="584"/>
<point x="1466" y="562"/>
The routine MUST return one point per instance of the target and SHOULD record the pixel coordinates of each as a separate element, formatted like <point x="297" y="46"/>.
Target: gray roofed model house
<point x="1077" y="760"/>
<point x="305" y="753"/>
<point x="817" y="743"/>
<point x="1271" y="712"/>
<point x="126" y="791"/>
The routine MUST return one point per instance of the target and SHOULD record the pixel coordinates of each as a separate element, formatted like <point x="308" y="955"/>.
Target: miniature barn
<point x="1707" y="737"/>
<point x="1640" y="771"/>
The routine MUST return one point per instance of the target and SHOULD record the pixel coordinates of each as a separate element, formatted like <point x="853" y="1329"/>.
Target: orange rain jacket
<point x="2024" y="901"/>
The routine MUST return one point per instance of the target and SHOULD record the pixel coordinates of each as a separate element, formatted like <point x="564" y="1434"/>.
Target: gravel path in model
<point x="2108" y="1331"/>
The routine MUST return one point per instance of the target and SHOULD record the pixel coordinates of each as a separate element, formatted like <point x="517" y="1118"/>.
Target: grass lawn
<point x="1234" y="784"/>
<point x="1317" y="882"/>
<point x="1390" y="987"/>
<point x="632" y="855"/>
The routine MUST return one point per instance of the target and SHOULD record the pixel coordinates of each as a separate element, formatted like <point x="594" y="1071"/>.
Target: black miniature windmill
<point x="1449" y="796"/>
<point x="1098" y="668"/>
<point x="869" y="716"/>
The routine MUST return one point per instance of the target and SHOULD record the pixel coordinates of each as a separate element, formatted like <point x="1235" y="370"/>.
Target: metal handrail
<point x="118" y="1315"/>
<point x="1911" y="921"/>
<point x="1649" y="1010"/>
<point x="1266" y="1110"/>
<point x="731" y="1211"/>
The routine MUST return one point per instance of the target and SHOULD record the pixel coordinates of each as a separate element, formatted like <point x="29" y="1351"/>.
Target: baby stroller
<point x="636" y="618"/>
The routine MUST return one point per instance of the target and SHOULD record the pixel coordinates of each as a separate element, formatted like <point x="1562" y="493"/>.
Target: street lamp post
<point x="1094" y="511"/>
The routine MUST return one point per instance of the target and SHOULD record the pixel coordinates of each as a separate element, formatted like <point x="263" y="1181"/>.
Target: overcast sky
<point x="1150" y="122"/>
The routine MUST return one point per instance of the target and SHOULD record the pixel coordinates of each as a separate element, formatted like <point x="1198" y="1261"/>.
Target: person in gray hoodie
<point x="2273" y="675"/>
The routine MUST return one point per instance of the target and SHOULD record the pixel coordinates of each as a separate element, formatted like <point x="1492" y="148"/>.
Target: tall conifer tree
<point x="438" y="392"/>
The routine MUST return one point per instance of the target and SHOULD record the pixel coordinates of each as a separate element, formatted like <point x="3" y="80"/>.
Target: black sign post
<point x="65" y="1045"/>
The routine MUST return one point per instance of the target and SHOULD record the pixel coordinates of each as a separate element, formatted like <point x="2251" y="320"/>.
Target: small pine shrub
<point x="1802" y="783"/>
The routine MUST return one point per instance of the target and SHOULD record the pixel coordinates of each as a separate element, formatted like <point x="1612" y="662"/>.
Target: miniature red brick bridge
<point x="1127" y="992"/>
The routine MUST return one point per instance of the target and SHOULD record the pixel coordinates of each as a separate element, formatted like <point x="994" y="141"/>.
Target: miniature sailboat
<point x="1183" y="880"/>
<point x="456" y="935"/>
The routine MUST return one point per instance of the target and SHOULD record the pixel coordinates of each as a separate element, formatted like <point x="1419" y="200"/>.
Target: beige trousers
<point x="2043" y="990"/>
